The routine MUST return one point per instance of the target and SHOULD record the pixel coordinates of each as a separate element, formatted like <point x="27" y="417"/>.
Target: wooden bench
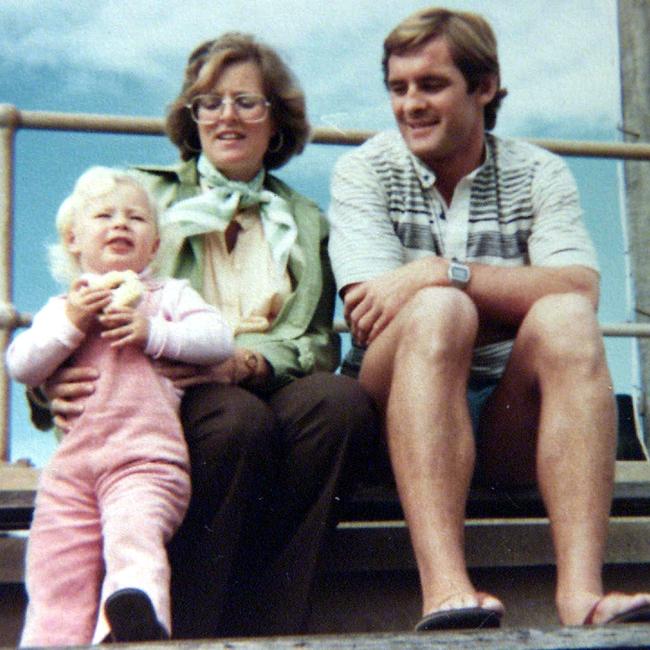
<point x="369" y="582"/>
<point x="379" y="502"/>
<point x="373" y="508"/>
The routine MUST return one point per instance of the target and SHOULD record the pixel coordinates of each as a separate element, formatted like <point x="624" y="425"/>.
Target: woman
<point x="269" y="436"/>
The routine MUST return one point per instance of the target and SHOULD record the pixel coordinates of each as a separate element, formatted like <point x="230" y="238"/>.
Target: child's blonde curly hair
<point x="93" y="183"/>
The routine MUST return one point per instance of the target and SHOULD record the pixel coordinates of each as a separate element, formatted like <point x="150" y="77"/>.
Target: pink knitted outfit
<point x="115" y="491"/>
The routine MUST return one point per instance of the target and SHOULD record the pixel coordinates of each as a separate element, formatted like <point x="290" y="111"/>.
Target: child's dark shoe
<point x="132" y="617"/>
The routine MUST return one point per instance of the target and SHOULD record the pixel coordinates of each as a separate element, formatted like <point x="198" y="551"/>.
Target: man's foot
<point x="132" y="617"/>
<point x="617" y="607"/>
<point x="464" y="612"/>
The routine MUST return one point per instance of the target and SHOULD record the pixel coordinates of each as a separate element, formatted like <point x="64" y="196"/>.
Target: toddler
<point x="118" y="485"/>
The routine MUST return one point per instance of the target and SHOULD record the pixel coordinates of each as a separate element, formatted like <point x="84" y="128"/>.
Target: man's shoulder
<point x="384" y="157"/>
<point x="517" y="153"/>
<point x="385" y="145"/>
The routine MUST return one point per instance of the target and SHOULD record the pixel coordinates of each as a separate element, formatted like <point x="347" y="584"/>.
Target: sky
<point x="559" y="61"/>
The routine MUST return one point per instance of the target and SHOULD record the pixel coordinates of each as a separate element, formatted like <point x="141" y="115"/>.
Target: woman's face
<point x="235" y="147"/>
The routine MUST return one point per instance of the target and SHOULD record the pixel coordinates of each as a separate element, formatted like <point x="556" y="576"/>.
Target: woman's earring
<point x="189" y="147"/>
<point x="276" y="147"/>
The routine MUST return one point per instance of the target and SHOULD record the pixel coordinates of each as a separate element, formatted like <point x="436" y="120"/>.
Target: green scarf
<point x="214" y="209"/>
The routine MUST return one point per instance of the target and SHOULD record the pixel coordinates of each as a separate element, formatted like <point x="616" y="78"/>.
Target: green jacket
<point x="301" y="339"/>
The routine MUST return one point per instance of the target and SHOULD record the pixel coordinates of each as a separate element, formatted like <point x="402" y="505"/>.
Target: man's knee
<point x="563" y="328"/>
<point x="441" y="323"/>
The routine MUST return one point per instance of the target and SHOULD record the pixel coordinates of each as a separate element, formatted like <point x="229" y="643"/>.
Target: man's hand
<point x="245" y="366"/>
<point x="125" y="326"/>
<point x="370" y="306"/>
<point x="83" y="304"/>
<point x="67" y="390"/>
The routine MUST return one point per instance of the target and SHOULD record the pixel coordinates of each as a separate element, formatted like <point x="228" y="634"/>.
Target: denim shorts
<point x="478" y="393"/>
<point x="478" y="389"/>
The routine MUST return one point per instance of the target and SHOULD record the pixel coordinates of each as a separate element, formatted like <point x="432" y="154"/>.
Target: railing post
<point x="9" y="120"/>
<point x="634" y="21"/>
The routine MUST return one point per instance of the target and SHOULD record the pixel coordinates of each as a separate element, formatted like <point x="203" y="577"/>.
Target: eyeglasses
<point x="206" y="109"/>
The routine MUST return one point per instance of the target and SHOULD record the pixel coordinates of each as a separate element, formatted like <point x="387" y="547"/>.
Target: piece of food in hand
<point x="126" y="287"/>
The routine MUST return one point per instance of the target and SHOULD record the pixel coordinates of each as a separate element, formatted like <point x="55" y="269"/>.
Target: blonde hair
<point x="93" y="183"/>
<point x="471" y="42"/>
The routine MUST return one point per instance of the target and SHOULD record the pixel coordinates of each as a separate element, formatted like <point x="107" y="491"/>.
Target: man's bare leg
<point x="417" y="370"/>
<point x="558" y="370"/>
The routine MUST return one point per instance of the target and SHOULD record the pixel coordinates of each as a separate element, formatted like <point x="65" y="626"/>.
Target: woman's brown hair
<point x="205" y="65"/>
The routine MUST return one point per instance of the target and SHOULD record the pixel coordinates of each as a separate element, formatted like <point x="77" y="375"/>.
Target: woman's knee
<point x="333" y="407"/>
<point x="335" y="428"/>
<point x="220" y="419"/>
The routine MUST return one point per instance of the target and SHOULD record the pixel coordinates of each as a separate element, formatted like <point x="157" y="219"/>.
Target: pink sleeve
<point x="187" y="329"/>
<point x="37" y="352"/>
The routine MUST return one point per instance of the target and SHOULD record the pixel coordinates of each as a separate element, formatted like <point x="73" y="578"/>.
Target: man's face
<point x="439" y="120"/>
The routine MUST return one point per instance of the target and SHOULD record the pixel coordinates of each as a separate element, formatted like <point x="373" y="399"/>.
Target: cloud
<point x="560" y="62"/>
<point x="559" y="59"/>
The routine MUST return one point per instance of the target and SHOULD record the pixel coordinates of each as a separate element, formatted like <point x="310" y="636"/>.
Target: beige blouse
<point x="245" y="283"/>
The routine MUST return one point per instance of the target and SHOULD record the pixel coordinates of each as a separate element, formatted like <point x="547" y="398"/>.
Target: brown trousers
<point x="265" y="474"/>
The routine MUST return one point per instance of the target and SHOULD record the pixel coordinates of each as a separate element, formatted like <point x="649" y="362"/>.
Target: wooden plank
<point x="18" y="477"/>
<point x="380" y="504"/>
<point x="17" y="490"/>
<point x="613" y="636"/>
<point x="380" y="501"/>
<point x="16" y="509"/>
<point x="633" y="471"/>
<point x="12" y="559"/>
<point x="377" y="502"/>
<point x="385" y="546"/>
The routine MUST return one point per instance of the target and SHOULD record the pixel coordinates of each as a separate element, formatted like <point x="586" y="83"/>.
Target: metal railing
<point x="12" y="119"/>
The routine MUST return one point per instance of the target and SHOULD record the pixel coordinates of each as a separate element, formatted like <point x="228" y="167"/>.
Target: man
<point x="468" y="276"/>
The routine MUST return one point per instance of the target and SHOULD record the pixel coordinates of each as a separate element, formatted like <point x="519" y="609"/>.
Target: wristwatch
<point x="459" y="274"/>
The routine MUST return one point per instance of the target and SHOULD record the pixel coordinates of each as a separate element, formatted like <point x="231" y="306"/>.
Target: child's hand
<point x="125" y="326"/>
<point x="83" y="304"/>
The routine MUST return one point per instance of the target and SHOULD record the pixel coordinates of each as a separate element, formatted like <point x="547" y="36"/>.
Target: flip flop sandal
<point x="466" y="618"/>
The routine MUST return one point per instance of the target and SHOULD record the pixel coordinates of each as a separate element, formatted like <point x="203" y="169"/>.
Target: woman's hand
<point x="243" y="367"/>
<point x="67" y="390"/>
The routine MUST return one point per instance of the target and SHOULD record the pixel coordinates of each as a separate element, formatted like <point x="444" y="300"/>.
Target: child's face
<point x="114" y="232"/>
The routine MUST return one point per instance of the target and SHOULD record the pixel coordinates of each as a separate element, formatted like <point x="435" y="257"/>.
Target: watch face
<point x="459" y="273"/>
